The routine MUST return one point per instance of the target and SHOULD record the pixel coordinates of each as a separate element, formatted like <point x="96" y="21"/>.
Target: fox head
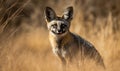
<point x="58" y="25"/>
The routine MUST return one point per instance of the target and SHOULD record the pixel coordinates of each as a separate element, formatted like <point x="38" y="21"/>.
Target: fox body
<point x="65" y="44"/>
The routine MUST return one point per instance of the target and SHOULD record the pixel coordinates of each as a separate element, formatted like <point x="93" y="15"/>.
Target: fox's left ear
<point x="68" y="14"/>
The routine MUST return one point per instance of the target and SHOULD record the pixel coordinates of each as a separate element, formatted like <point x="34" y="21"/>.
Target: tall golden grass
<point x="24" y="44"/>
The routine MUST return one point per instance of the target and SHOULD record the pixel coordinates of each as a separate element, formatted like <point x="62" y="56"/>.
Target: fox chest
<point x="64" y="48"/>
<point x="65" y="51"/>
<point x="61" y="51"/>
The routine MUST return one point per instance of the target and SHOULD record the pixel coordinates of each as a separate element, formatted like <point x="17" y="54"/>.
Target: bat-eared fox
<point x="65" y="44"/>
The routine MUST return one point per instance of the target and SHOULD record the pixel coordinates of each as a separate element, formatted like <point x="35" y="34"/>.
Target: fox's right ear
<point x="49" y="14"/>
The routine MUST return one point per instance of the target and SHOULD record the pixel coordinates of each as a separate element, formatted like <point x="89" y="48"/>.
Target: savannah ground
<point x="24" y="44"/>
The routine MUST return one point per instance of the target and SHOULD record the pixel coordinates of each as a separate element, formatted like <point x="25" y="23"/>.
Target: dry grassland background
<point x="24" y="44"/>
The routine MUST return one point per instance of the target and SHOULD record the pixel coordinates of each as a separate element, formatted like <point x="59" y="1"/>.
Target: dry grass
<point x="24" y="44"/>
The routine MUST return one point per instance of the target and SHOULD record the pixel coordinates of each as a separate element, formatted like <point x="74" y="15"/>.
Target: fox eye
<point x="54" y="26"/>
<point x="63" y="25"/>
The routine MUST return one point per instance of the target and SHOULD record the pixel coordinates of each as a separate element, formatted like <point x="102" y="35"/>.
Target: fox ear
<point x="49" y="14"/>
<point x="68" y="14"/>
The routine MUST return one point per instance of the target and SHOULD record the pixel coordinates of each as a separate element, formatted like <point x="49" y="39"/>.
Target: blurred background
<point x="24" y="44"/>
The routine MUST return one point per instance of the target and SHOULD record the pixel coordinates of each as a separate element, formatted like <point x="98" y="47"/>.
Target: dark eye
<point x="63" y="25"/>
<point x="54" y="25"/>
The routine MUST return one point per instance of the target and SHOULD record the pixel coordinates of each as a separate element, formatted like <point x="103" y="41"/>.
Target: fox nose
<point x="59" y="30"/>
